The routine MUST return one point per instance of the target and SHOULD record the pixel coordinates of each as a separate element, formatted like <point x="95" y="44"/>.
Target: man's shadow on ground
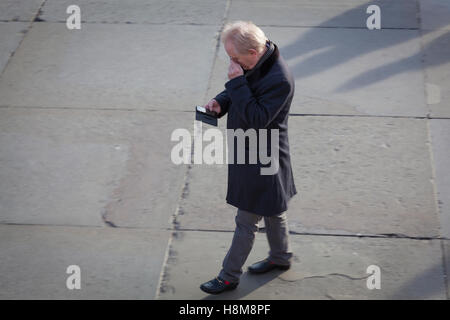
<point x="248" y="283"/>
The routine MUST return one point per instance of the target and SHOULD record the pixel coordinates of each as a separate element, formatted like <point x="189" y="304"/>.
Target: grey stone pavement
<point x="86" y="176"/>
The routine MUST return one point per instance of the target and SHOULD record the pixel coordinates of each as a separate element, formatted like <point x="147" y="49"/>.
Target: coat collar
<point x="261" y="69"/>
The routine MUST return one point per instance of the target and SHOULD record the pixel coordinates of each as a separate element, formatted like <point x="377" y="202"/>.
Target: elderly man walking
<point x="257" y="96"/>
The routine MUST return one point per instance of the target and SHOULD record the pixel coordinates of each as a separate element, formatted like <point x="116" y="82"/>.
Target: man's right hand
<point x="213" y="105"/>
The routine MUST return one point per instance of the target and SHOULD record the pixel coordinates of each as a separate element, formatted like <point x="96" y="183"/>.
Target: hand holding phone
<point x="206" y="116"/>
<point x="206" y="111"/>
<point x="213" y="105"/>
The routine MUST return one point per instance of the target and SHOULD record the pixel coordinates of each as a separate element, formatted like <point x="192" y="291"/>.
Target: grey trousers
<point x="244" y="235"/>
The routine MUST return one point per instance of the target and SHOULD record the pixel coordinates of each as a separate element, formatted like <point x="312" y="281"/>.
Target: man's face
<point x="247" y="61"/>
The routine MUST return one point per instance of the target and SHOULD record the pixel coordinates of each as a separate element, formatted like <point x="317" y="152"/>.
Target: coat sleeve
<point x="224" y="100"/>
<point x="258" y="111"/>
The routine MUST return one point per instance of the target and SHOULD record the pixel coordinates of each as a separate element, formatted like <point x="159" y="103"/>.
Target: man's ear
<point x="253" y="52"/>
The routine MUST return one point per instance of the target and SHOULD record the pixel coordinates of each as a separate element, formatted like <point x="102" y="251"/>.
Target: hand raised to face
<point x="234" y="70"/>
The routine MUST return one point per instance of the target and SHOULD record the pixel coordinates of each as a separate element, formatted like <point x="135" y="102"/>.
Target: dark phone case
<point x="209" y="118"/>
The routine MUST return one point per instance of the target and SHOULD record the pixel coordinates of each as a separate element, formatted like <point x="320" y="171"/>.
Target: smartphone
<point x="206" y="116"/>
<point x="206" y="111"/>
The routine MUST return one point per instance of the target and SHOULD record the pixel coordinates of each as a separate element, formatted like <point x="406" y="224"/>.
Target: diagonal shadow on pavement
<point x="334" y="51"/>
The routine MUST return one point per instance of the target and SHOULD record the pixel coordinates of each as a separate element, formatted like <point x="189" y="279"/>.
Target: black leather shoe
<point x="218" y="285"/>
<point x="266" y="266"/>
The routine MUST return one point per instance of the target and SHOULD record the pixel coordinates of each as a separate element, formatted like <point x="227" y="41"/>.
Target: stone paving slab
<point x="324" y="13"/>
<point x="364" y="175"/>
<point x="88" y="167"/>
<point x="141" y="11"/>
<point x="203" y="206"/>
<point x="110" y="66"/>
<point x="11" y="33"/>
<point x="434" y="14"/>
<point x="323" y="268"/>
<point x="440" y="136"/>
<point x="114" y="263"/>
<point x="19" y="10"/>
<point x="436" y="55"/>
<point x="353" y="175"/>
<point x="347" y="71"/>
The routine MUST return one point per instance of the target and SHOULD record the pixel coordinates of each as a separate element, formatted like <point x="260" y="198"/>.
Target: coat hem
<point x="264" y="214"/>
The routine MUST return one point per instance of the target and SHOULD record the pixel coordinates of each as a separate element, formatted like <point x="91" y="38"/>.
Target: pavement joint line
<point x="430" y="139"/>
<point x="433" y="174"/>
<point x="445" y="268"/>
<point x="52" y="225"/>
<point x="83" y="108"/>
<point x="214" y="24"/>
<point x="81" y="226"/>
<point x="129" y="22"/>
<point x="160" y="288"/>
<point x="190" y="111"/>
<point x="14" y="20"/>
<point x="378" y="236"/>
<point x="159" y="285"/>
<point x="37" y="18"/>
<point x="217" y="47"/>
<point x="428" y="129"/>
<point x="25" y="33"/>
<point x="180" y="229"/>
<point x="418" y="15"/>
<point x="333" y="27"/>
<point x="359" y="115"/>
<point x="433" y="166"/>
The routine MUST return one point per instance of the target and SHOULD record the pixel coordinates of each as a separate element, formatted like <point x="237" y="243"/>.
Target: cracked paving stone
<point x="324" y="267"/>
<point x="11" y="33"/>
<point x="89" y="167"/>
<point x="19" y="10"/>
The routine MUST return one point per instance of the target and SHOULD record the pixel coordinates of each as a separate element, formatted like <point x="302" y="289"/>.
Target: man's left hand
<point x="234" y="70"/>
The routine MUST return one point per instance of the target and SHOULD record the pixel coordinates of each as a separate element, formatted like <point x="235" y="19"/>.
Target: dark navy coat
<point x="260" y="99"/>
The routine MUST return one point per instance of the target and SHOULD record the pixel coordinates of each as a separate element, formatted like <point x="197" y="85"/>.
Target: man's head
<point x="244" y="42"/>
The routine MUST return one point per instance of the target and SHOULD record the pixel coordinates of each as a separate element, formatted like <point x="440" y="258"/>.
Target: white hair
<point x="244" y="35"/>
